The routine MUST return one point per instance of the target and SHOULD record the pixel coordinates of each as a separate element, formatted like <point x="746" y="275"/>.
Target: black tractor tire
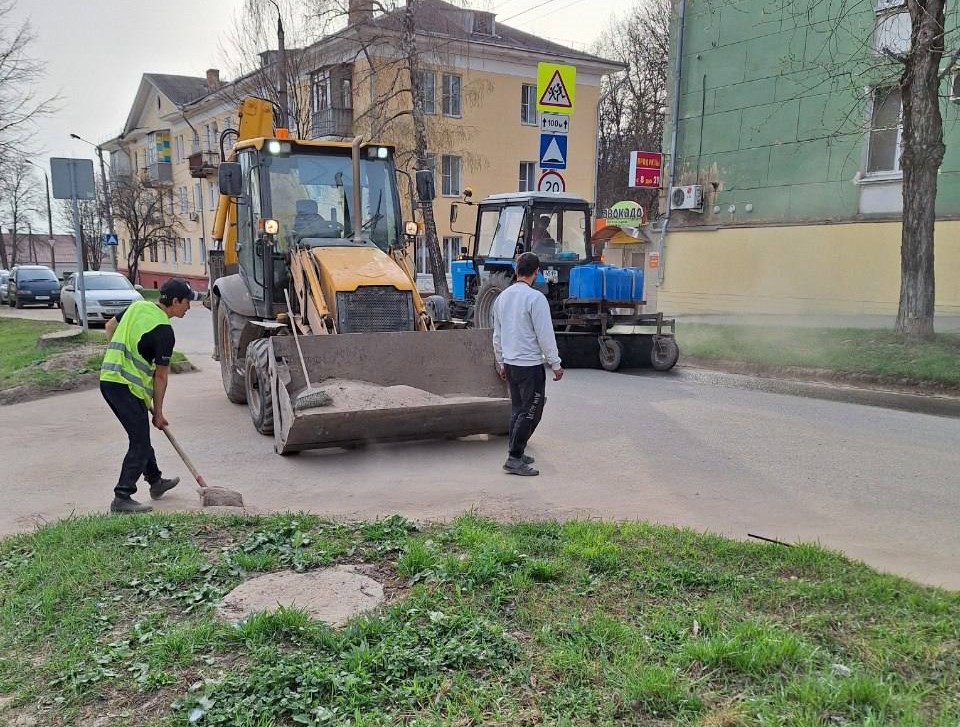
<point x="664" y="353"/>
<point x="611" y="353"/>
<point x="487" y="296"/>
<point x="437" y="308"/>
<point x="257" y="383"/>
<point x="233" y="380"/>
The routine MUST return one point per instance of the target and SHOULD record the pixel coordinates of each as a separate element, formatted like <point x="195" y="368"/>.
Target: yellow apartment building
<point x="479" y="80"/>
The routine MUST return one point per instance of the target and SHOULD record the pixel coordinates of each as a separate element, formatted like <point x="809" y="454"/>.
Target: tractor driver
<point x="542" y="243"/>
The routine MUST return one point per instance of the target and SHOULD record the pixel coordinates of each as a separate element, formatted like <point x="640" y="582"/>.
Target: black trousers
<point x="528" y="385"/>
<point x="135" y="420"/>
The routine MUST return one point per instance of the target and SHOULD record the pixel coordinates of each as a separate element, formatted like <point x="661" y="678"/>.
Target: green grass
<point x="19" y="355"/>
<point x="845" y="351"/>
<point x="581" y="623"/>
<point x="150" y="294"/>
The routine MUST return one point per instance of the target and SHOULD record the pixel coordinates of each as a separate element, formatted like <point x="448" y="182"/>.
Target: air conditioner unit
<point x="687" y="198"/>
<point x="882" y="6"/>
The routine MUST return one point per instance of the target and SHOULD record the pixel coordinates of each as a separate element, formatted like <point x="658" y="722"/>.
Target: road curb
<point x="933" y="404"/>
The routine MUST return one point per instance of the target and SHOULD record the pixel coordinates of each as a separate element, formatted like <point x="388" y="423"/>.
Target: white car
<point x="106" y="294"/>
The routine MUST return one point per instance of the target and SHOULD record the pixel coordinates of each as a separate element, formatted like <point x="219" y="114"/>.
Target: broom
<point x="209" y="496"/>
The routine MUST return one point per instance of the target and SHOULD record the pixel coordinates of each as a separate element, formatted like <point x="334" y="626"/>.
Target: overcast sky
<point x="96" y="51"/>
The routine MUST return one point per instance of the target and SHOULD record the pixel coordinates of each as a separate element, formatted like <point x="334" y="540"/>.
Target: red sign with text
<point x="645" y="169"/>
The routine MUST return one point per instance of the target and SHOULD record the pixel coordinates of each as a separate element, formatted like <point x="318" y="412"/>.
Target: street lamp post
<point x="282" y="71"/>
<point x="51" y="241"/>
<point x="106" y="194"/>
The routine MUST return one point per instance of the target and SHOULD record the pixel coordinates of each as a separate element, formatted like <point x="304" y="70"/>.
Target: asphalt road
<point x="878" y="484"/>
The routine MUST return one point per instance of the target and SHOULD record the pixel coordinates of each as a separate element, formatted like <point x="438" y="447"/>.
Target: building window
<point x="164" y="252"/>
<point x="428" y="82"/>
<point x="195" y="145"/>
<point x="886" y="127"/>
<point x="153" y="253"/>
<point x="452" y="169"/>
<point x="197" y="197"/>
<point x="180" y="147"/>
<point x="187" y="250"/>
<point x="528" y="177"/>
<point x="451" y="248"/>
<point x="346" y="93"/>
<point x="203" y="251"/>
<point x="214" y="195"/>
<point x="451" y="94"/>
<point x="528" y="104"/>
<point x="184" y="208"/>
<point x="319" y="91"/>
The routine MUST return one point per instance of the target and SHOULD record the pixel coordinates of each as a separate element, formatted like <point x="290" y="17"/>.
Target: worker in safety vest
<point x="133" y="380"/>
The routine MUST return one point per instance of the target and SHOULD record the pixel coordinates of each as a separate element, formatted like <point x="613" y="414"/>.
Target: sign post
<point x="73" y="180"/>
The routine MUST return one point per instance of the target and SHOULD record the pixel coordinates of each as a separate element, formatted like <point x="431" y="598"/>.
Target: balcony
<point x="203" y="164"/>
<point x="332" y="122"/>
<point x="158" y="174"/>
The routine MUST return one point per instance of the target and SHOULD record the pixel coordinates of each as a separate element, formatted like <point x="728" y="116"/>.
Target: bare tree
<point x="631" y="112"/>
<point x="254" y="31"/>
<point x="145" y="214"/>
<point x="19" y="201"/>
<point x="19" y="75"/>
<point x="92" y="228"/>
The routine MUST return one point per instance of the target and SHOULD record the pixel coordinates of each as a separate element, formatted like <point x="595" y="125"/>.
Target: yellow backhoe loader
<point x="316" y="226"/>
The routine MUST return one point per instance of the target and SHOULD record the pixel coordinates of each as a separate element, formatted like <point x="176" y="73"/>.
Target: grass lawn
<point x="22" y="362"/>
<point x="581" y="623"/>
<point x="847" y="350"/>
<point x="150" y="294"/>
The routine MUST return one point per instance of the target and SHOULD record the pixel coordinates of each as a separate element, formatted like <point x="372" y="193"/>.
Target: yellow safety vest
<point x="122" y="363"/>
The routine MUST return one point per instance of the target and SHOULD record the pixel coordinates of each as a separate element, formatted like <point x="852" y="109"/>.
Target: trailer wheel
<point x="611" y="353"/>
<point x="664" y="353"/>
<point x="233" y="383"/>
<point x="487" y="296"/>
<point x="257" y="384"/>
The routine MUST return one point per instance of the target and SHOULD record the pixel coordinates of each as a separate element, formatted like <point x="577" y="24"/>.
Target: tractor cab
<point x="556" y="227"/>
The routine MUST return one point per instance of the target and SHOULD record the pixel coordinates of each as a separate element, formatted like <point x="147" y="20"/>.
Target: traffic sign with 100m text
<point x="554" y="123"/>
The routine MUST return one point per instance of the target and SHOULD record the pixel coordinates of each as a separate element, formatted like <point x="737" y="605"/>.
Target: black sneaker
<point x="519" y="467"/>
<point x="128" y="505"/>
<point x="162" y="485"/>
<point x="527" y="459"/>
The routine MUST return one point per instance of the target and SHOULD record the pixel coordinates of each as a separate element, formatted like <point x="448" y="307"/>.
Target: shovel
<point x="209" y="496"/>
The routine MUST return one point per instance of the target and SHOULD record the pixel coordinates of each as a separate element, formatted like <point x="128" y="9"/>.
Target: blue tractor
<point x="597" y="309"/>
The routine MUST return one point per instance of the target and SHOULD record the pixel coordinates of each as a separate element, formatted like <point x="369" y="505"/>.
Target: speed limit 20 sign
<point x="551" y="181"/>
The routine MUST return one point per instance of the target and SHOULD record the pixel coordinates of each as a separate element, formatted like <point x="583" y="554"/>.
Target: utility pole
<point x="73" y="179"/>
<point x="281" y="71"/>
<point x="51" y="241"/>
<point x="106" y="194"/>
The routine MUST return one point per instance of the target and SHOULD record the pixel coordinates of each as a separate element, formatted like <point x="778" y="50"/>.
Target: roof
<point x="443" y="18"/>
<point x="536" y="197"/>
<point x="179" y="89"/>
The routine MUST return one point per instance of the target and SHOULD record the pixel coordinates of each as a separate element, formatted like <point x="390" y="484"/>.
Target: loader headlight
<point x="277" y="148"/>
<point x="378" y="152"/>
<point x="271" y="227"/>
<point x="412" y="229"/>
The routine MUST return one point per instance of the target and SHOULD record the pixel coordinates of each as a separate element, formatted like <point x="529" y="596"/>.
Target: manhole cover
<point x="332" y="595"/>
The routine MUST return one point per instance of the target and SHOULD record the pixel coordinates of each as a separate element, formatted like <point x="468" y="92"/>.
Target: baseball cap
<point x="177" y="288"/>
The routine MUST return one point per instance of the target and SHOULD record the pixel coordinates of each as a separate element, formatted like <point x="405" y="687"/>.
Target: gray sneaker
<point x="162" y="485"/>
<point x="518" y="467"/>
<point x="527" y="459"/>
<point x="128" y="505"/>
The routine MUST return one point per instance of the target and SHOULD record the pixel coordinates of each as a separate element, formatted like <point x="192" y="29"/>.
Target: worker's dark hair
<point x="527" y="264"/>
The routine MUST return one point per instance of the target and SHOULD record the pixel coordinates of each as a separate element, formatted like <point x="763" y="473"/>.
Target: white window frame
<point x="527" y="184"/>
<point x="179" y="145"/>
<point x="450" y="186"/>
<point x="528" y="105"/>
<point x="428" y="82"/>
<point x="452" y="103"/>
<point x="184" y="205"/>
<point x="214" y="196"/>
<point x="883" y="174"/>
<point x="187" y="250"/>
<point x="451" y="248"/>
<point x="320" y="90"/>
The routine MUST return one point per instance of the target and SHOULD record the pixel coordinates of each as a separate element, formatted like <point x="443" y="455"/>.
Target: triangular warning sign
<point x="555" y="94"/>
<point x="553" y="153"/>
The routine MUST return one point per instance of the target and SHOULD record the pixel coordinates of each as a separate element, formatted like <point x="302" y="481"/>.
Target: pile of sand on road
<point x="346" y="394"/>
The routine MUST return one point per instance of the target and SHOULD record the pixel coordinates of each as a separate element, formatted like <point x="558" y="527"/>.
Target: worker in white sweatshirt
<point x="524" y="343"/>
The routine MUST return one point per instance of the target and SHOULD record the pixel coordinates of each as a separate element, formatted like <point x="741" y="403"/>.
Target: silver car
<point x="107" y="293"/>
<point x="4" y="277"/>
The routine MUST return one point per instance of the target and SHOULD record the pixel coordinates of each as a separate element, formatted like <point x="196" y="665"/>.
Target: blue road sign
<point x="553" y="151"/>
<point x="109" y="239"/>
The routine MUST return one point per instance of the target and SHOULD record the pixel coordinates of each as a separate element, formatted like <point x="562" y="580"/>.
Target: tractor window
<point x="499" y="232"/>
<point x="312" y="194"/>
<point x="559" y="235"/>
<point x="251" y="266"/>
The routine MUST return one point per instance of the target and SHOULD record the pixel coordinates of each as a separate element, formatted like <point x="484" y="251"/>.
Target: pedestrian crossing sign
<point x="556" y="88"/>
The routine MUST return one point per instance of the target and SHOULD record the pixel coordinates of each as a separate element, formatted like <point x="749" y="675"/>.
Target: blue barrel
<point x="587" y="281"/>
<point x="619" y="284"/>
<point x="636" y="287"/>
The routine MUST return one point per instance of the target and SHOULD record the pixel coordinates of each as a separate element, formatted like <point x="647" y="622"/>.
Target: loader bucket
<point x="387" y="387"/>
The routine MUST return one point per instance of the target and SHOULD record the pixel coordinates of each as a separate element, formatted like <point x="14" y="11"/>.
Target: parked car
<point x="32" y="285"/>
<point x="107" y="294"/>
<point x="4" y="277"/>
